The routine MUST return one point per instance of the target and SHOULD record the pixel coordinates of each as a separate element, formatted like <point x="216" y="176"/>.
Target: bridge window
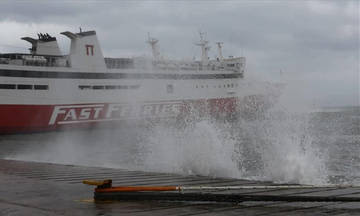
<point x="110" y="87"/>
<point x="7" y="86"/>
<point x="84" y="87"/>
<point x="41" y="87"/>
<point x="24" y="87"/>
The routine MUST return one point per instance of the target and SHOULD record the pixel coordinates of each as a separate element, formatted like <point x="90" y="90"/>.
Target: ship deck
<point x="32" y="188"/>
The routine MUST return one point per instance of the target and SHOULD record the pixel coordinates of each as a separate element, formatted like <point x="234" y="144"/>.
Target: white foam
<point x="201" y="149"/>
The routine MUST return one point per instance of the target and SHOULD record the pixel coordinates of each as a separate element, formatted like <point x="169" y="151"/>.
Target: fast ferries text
<point x="67" y="114"/>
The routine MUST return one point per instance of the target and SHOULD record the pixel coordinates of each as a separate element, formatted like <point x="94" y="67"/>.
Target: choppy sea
<point x="317" y="147"/>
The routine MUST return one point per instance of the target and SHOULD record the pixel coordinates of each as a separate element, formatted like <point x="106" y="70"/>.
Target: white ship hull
<point x="47" y="92"/>
<point x="75" y="102"/>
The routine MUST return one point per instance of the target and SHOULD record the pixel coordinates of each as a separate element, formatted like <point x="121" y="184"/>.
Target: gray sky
<point x="314" y="43"/>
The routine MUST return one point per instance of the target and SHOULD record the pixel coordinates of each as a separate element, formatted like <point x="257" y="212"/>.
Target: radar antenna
<point x="154" y="46"/>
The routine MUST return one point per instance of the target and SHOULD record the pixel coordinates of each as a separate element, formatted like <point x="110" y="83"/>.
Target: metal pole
<point x="181" y="188"/>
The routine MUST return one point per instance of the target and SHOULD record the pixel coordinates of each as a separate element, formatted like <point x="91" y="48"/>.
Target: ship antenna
<point x="220" y="55"/>
<point x="154" y="46"/>
<point x="204" y="48"/>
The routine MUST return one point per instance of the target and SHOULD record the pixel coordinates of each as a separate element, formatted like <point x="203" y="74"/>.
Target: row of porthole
<point x="231" y="85"/>
<point x="24" y="87"/>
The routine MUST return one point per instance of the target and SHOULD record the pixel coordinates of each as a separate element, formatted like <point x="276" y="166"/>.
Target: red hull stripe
<point x="31" y="118"/>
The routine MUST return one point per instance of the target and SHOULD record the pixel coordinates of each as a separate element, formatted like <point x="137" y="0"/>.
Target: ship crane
<point x="204" y="49"/>
<point x="154" y="47"/>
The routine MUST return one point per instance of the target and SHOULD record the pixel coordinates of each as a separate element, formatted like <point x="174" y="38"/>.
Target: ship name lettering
<point x="97" y="111"/>
<point x="71" y="114"/>
<point x="118" y="111"/>
<point x="100" y="112"/>
<point x="75" y="112"/>
<point x="85" y="113"/>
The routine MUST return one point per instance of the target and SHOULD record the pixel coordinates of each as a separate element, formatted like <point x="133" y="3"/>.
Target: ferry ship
<point x="45" y="90"/>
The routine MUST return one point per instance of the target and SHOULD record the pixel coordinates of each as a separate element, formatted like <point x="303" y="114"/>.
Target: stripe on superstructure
<point x="86" y="75"/>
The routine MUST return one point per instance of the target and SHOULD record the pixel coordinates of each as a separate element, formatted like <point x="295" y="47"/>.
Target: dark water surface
<point x="337" y="132"/>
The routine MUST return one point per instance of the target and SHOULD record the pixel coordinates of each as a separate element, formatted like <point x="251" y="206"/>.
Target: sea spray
<point x="278" y="146"/>
<point x="202" y="149"/>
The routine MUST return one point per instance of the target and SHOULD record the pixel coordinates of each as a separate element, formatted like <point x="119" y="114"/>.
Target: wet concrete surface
<point x="30" y="188"/>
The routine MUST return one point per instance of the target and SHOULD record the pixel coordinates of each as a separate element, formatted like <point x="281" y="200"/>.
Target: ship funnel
<point x="45" y="45"/>
<point x="85" y="51"/>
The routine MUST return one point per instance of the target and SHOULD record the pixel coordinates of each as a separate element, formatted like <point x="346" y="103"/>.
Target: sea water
<point x="319" y="147"/>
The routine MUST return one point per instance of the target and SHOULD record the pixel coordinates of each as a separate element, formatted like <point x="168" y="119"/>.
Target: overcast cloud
<point x="314" y="43"/>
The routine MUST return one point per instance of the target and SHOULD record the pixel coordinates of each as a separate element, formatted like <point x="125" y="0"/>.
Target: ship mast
<point x="219" y="45"/>
<point x="204" y="48"/>
<point x="154" y="47"/>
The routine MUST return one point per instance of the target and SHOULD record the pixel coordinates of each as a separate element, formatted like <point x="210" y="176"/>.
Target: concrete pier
<point x="31" y="188"/>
